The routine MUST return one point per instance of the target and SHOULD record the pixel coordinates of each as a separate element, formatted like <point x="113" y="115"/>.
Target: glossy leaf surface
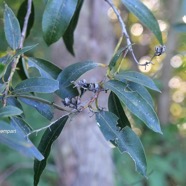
<point x="56" y="19"/>
<point x="72" y="73"/>
<point x="40" y="85"/>
<point x="136" y="104"/>
<point x="126" y="140"/>
<point x="137" y="77"/>
<point x="12" y="28"/>
<point x="46" y="68"/>
<point x="9" y="110"/>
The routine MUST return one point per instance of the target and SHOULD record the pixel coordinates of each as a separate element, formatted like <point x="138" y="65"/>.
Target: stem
<point x="41" y="100"/>
<point x="123" y="29"/>
<point x="25" y="25"/>
<point x="43" y="128"/>
<point x="16" y="60"/>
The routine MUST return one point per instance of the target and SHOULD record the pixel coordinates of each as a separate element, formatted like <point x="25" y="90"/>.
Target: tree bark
<point x="83" y="157"/>
<point x="166" y="72"/>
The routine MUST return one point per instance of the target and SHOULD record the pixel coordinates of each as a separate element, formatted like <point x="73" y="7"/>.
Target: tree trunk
<point x="172" y="39"/>
<point x="83" y="157"/>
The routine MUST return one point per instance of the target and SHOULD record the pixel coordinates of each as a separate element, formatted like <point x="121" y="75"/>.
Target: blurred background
<point x="97" y="34"/>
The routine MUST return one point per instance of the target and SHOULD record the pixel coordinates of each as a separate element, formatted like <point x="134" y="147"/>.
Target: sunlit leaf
<point x="137" y="77"/>
<point x="50" y="135"/>
<point x="126" y="140"/>
<point x="145" y="16"/>
<point x="56" y="19"/>
<point x="13" y="136"/>
<point x="12" y="28"/>
<point x="114" y="106"/>
<point x="136" y="104"/>
<point x="72" y="73"/>
<point x="9" y="110"/>
<point x="44" y="109"/>
<point x="68" y="36"/>
<point x="46" y="68"/>
<point x="40" y="85"/>
<point x="21" y="16"/>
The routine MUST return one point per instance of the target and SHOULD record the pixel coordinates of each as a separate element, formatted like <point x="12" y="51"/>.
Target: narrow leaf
<point x="13" y="136"/>
<point x="136" y="104"/>
<point x="40" y="85"/>
<point x="23" y="50"/>
<point x="21" y="16"/>
<point x="72" y="73"/>
<point x="12" y="28"/>
<point x="9" y="111"/>
<point x="145" y="16"/>
<point x="115" y="107"/>
<point x="50" y="135"/>
<point x="137" y="77"/>
<point x="2" y="70"/>
<point x="56" y="19"/>
<point x="44" y="109"/>
<point x="68" y="36"/>
<point x="142" y="91"/>
<point x="125" y="139"/>
<point x="46" y="68"/>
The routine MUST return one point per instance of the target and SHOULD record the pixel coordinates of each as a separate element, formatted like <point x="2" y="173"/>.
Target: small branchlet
<point x="159" y="50"/>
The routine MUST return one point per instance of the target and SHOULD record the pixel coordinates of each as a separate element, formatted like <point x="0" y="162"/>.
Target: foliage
<point x="127" y="88"/>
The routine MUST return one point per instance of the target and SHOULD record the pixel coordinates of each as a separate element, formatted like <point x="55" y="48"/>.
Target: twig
<point x="124" y="30"/>
<point x="43" y="128"/>
<point x="16" y="60"/>
<point x="25" y="25"/>
<point x="41" y="100"/>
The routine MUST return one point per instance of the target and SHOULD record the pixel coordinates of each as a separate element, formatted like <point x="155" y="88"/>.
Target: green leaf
<point x="68" y="36"/>
<point x="21" y="16"/>
<point x="2" y="88"/>
<point x="137" y="77"/>
<point x="114" y="106"/>
<point x="12" y="28"/>
<point x="9" y="110"/>
<point x="40" y="85"/>
<point x="50" y="135"/>
<point x="56" y="19"/>
<point x="142" y="91"/>
<point x="2" y="70"/>
<point x="135" y="103"/>
<point x="145" y="16"/>
<point x="23" y="50"/>
<point x="72" y="73"/>
<point x="44" y="109"/>
<point x="46" y="68"/>
<point x="126" y="140"/>
<point x="13" y="136"/>
<point x="116" y="60"/>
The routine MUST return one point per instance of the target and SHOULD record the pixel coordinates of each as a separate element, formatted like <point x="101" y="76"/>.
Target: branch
<point x="16" y="60"/>
<point x="25" y="25"/>
<point x="41" y="100"/>
<point x="43" y="128"/>
<point x="123" y="29"/>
